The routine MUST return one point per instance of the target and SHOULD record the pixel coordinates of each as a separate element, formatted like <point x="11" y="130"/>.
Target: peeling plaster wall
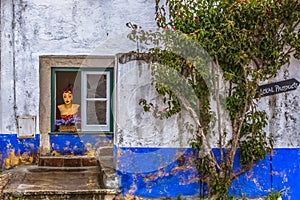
<point x="15" y="152"/>
<point x="54" y="27"/>
<point x="30" y="29"/>
<point x="73" y="144"/>
<point x="0" y="61"/>
<point x="152" y="154"/>
<point x="284" y="110"/>
<point x="137" y="128"/>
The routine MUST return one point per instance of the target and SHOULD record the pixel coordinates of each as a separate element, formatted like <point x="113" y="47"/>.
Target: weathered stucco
<point x="37" y="35"/>
<point x="15" y="152"/>
<point x="34" y="28"/>
<point x="137" y="128"/>
<point x="284" y="110"/>
<point x="46" y="63"/>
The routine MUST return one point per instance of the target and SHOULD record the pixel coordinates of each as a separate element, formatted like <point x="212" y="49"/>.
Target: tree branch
<point x="217" y="96"/>
<point x="238" y="121"/>
<point x="241" y="171"/>
<point x="200" y="133"/>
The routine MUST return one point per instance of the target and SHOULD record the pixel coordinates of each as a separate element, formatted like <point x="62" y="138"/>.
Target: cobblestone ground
<point x="4" y="178"/>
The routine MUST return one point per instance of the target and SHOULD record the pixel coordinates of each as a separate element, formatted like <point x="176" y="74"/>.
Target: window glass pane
<point x="96" y="112"/>
<point x="96" y="86"/>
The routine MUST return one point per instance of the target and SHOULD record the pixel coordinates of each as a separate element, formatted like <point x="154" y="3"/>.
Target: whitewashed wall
<point x="284" y="109"/>
<point x="137" y="128"/>
<point x="30" y="28"/>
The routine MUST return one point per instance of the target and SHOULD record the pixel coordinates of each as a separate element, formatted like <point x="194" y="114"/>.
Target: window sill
<point x="80" y="133"/>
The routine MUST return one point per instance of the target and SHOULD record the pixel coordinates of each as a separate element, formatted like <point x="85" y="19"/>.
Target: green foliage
<point x="273" y="196"/>
<point x="17" y="198"/>
<point x="249" y="40"/>
<point x="254" y="144"/>
<point x="219" y="188"/>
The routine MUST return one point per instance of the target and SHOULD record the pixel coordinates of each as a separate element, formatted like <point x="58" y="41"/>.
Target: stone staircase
<point x="68" y="161"/>
<point x="65" y="177"/>
<point x="108" y="173"/>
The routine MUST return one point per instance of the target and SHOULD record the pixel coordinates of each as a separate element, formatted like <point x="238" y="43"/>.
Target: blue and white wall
<point x="284" y="122"/>
<point x="153" y="157"/>
<point x="30" y="29"/>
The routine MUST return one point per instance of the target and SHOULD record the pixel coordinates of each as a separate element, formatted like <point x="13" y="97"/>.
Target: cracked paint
<point x="16" y="152"/>
<point x="73" y="144"/>
<point x="163" y="178"/>
<point x="82" y="29"/>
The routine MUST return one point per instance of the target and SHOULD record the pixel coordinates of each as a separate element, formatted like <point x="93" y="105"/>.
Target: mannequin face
<point x="68" y="96"/>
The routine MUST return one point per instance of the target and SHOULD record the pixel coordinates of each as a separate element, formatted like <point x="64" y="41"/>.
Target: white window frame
<point x="84" y="99"/>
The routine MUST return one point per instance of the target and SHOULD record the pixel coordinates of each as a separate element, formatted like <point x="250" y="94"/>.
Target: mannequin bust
<point x="68" y="109"/>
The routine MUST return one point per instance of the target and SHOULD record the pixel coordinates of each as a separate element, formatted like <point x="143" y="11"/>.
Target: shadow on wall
<point x="15" y="152"/>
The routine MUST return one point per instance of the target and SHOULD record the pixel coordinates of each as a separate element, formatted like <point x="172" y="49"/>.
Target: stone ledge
<point x="105" y="151"/>
<point x="66" y="169"/>
<point x="108" y="174"/>
<point x="67" y="161"/>
<point x="62" y="192"/>
<point x="64" y="197"/>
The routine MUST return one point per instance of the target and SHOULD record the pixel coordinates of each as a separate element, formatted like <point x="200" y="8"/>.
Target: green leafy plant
<point x="233" y="43"/>
<point x="274" y="195"/>
<point x="17" y="198"/>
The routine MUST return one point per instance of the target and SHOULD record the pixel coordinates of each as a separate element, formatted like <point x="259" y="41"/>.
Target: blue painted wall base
<point x="157" y="172"/>
<point x="162" y="172"/>
<point x="169" y="172"/>
<point x="15" y="152"/>
<point x="78" y="144"/>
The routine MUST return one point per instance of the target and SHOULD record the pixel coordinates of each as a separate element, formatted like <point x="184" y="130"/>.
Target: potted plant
<point x="68" y="123"/>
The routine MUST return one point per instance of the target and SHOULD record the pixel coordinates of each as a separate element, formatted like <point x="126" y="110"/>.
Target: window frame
<point x="110" y="74"/>
<point x="84" y="99"/>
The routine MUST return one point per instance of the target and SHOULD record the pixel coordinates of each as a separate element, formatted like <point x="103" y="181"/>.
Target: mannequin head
<point x="68" y="109"/>
<point x="68" y="95"/>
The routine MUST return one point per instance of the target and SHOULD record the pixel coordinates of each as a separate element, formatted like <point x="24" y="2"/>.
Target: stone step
<point x="105" y="151"/>
<point x="100" y="194"/>
<point x="67" y="161"/>
<point x="108" y="173"/>
<point x="104" y="160"/>
<point x="35" y="182"/>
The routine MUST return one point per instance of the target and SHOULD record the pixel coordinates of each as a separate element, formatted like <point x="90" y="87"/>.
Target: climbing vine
<point x="207" y="45"/>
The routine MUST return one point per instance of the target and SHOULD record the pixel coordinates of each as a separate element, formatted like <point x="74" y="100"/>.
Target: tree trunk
<point x="218" y="188"/>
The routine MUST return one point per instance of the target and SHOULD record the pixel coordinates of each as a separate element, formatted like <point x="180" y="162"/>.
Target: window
<point x="96" y="101"/>
<point x="91" y="92"/>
